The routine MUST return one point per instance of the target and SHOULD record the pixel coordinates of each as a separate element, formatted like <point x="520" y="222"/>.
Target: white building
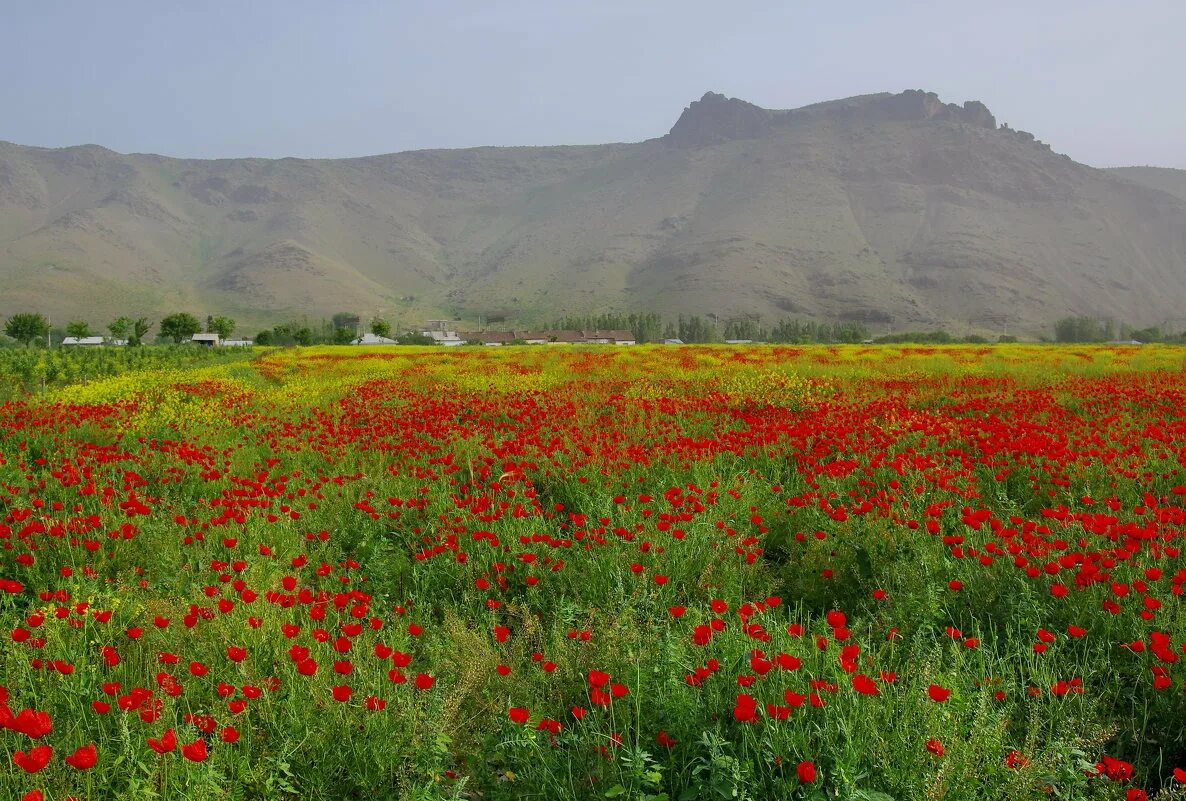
<point x="206" y="340"/>
<point x="371" y="339"/>
<point x="442" y="337"/>
<point x="70" y="342"/>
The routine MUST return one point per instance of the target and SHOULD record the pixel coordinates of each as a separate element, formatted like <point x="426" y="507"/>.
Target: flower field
<point x="640" y="573"/>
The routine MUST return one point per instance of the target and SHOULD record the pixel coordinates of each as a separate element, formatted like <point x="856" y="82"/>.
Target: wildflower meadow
<point x="854" y="572"/>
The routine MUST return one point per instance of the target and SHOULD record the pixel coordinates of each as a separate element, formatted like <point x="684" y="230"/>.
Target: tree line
<point x="1089" y="329"/>
<point x="342" y="328"/>
<point x="32" y="327"/>
<point x="695" y="329"/>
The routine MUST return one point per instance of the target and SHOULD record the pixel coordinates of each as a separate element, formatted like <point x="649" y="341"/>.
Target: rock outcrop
<point x="714" y="118"/>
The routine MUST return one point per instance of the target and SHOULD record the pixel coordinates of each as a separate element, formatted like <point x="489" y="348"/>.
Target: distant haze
<point x="1100" y="81"/>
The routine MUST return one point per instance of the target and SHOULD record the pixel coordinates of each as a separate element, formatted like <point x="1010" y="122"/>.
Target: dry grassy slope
<point x="1163" y="178"/>
<point x="896" y="209"/>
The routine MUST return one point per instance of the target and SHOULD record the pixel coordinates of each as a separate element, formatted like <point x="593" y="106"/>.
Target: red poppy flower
<point x="32" y="723"/>
<point x="518" y="714"/>
<point x="864" y="685"/>
<point x="195" y="751"/>
<point x="342" y="692"/>
<point x="938" y="694"/>
<point x="746" y="709"/>
<point x="84" y="758"/>
<point x="806" y="771"/>
<point x="1016" y="760"/>
<point x="34" y="760"/>
<point x="164" y="745"/>
<point x="935" y="747"/>
<point x="424" y="681"/>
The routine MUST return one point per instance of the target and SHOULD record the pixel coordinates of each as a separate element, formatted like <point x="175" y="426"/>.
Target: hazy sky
<point x="1100" y="80"/>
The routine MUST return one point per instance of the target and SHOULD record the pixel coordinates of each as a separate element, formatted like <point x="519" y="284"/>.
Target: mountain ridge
<point x="896" y="209"/>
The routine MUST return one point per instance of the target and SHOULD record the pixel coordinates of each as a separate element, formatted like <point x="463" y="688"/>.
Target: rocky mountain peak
<point x="715" y="118"/>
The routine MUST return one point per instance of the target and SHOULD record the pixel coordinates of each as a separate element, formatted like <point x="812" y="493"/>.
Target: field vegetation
<point x="855" y="572"/>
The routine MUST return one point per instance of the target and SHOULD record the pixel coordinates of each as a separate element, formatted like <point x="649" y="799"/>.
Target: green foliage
<point x="696" y="329"/>
<point x="26" y="327"/>
<point x="750" y="328"/>
<point x="939" y="337"/>
<point x="78" y="328"/>
<point x="180" y="327"/>
<point x="810" y="332"/>
<point x="346" y="321"/>
<point x="27" y="371"/>
<point x="380" y="327"/>
<point x="294" y="334"/>
<point x="644" y="327"/>
<point x="120" y="327"/>
<point x="223" y="326"/>
<point x="1082" y="329"/>
<point x="140" y="328"/>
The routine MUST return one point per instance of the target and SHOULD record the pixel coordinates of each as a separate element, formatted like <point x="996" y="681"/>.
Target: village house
<point x="441" y="337"/>
<point x="206" y="340"/>
<point x="71" y="342"/>
<point x="439" y="331"/>
<point x="371" y="339"/>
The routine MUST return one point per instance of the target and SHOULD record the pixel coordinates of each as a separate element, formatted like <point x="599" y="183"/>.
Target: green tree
<point x="696" y="329"/>
<point x="26" y="327"/>
<point x="303" y="335"/>
<point x="1082" y="329"/>
<point x="745" y="328"/>
<point x="180" y="326"/>
<point x="380" y="327"/>
<point x="223" y="326"/>
<point x="139" y="329"/>
<point x="119" y="327"/>
<point x="80" y="329"/>
<point x="263" y="338"/>
<point x="347" y="322"/>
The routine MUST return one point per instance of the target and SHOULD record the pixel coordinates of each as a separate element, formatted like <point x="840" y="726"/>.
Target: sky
<point x="1099" y="80"/>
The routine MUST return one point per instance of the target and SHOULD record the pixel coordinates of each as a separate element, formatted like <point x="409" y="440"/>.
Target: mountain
<point x="896" y="209"/>
<point x="1162" y="178"/>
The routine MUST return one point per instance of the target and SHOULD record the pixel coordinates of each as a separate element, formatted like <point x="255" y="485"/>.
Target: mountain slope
<point x="1164" y="179"/>
<point x="899" y="210"/>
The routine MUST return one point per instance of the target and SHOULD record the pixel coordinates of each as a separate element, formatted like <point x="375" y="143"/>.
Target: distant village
<point x="435" y="331"/>
<point x="438" y="331"/>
